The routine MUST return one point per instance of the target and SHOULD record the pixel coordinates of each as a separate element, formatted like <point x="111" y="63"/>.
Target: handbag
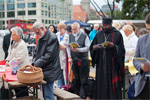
<point x="4" y="93"/>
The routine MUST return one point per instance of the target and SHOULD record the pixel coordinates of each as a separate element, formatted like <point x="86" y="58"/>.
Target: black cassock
<point x="109" y="65"/>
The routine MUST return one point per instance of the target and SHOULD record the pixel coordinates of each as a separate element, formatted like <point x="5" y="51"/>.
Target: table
<point x="13" y="83"/>
<point x="16" y="84"/>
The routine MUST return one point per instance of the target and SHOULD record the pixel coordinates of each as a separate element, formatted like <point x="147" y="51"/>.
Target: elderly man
<point x="142" y="82"/>
<point x="109" y="62"/>
<point x="47" y="58"/>
<point x="18" y="52"/>
<point x="78" y="57"/>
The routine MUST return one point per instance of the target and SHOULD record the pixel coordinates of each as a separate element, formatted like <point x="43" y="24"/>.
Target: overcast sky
<point x="100" y="3"/>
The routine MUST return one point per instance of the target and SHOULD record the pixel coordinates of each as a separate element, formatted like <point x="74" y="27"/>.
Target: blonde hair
<point x="128" y="28"/>
<point x="61" y="25"/>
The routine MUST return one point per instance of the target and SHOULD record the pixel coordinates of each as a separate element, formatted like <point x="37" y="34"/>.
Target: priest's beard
<point x="106" y="30"/>
<point x="42" y="34"/>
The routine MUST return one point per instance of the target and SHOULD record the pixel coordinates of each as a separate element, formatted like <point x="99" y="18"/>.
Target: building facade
<point x="46" y="11"/>
<point x="91" y="13"/>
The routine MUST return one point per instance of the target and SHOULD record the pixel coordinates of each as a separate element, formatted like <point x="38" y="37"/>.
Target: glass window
<point x="11" y="14"/>
<point x="13" y="21"/>
<point x="42" y="20"/>
<point x="32" y="12"/>
<point x="45" y="13"/>
<point x="42" y="5"/>
<point x="2" y="7"/>
<point x="21" y="5"/>
<point x="42" y="12"/>
<point x="49" y="14"/>
<point x="31" y="5"/>
<point x="10" y="7"/>
<point x="10" y="1"/>
<point x="1" y="1"/>
<point x="2" y="14"/>
<point x="21" y="12"/>
<point x="45" y="5"/>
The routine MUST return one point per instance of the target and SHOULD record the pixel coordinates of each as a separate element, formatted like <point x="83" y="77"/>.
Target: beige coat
<point x="19" y="52"/>
<point x="62" y="54"/>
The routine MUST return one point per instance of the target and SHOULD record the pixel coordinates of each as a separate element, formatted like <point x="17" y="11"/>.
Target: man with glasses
<point x="109" y="61"/>
<point x="78" y="57"/>
<point x="47" y="58"/>
<point x="142" y="82"/>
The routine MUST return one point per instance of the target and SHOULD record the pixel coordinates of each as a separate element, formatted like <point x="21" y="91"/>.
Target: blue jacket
<point x="92" y="34"/>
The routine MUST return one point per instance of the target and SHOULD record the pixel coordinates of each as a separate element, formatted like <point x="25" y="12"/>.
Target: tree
<point x="135" y="9"/>
<point x="117" y="14"/>
<point x="112" y="8"/>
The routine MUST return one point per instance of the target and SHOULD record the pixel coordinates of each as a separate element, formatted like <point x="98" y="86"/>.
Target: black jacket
<point x="47" y="57"/>
<point x="6" y="43"/>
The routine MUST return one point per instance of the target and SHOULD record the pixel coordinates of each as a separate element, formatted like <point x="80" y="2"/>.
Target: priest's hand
<point x="111" y="45"/>
<point x="74" y="49"/>
<point x="95" y="47"/>
<point x="145" y="68"/>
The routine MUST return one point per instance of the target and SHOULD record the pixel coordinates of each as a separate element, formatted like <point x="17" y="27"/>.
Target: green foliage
<point x="116" y="14"/>
<point x="135" y="9"/>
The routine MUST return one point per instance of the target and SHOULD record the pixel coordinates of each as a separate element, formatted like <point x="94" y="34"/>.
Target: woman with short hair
<point x="63" y="39"/>
<point x="18" y="52"/>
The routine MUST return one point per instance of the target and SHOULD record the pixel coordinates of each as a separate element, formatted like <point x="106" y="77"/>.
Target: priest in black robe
<point x="109" y="61"/>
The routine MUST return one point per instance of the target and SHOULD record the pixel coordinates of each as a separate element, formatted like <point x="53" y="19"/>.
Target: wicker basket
<point x="30" y="74"/>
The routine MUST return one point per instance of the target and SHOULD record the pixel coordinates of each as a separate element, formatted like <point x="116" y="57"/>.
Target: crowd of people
<point x="124" y="42"/>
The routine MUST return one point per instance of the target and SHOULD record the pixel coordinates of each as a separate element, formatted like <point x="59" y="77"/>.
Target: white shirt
<point x="130" y="44"/>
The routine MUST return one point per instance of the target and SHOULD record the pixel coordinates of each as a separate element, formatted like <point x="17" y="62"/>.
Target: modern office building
<point x="46" y="11"/>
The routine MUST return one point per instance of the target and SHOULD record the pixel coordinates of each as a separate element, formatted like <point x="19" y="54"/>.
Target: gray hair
<point x="38" y="25"/>
<point x="96" y="25"/>
<point x="76" y="24"/>
<point x="18" y="31"/>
